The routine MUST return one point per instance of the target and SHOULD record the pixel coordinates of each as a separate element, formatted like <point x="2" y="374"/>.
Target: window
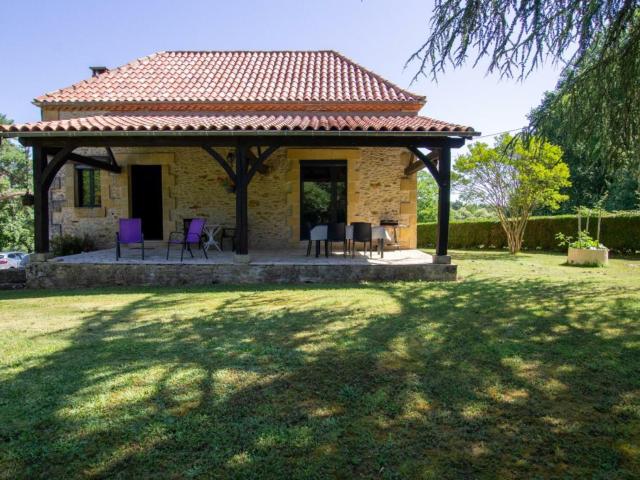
<point x="87" y="187"/>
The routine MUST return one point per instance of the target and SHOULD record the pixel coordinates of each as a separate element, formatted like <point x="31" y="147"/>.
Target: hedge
<point x="620" y="232"/>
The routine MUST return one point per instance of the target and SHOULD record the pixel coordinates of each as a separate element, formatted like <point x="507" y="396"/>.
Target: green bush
<point x="619" y="232"/>
<point x="71" y="244"/>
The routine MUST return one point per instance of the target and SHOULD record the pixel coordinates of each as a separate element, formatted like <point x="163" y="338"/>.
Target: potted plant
<point x="585" y="250"/>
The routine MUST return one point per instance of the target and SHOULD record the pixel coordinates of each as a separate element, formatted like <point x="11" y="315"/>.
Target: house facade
<point x="268" y="142"/>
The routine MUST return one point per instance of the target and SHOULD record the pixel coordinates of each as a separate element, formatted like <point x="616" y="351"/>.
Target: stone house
<point x="267" y="142"/>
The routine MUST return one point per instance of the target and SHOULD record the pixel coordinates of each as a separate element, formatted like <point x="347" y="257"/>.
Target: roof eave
<point x="239" y="133"/>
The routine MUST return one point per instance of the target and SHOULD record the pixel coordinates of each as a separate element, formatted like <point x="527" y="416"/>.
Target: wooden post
<point x="40" y="201"/>
<point x="242" y="217"/>
<point x="444" y="204"/>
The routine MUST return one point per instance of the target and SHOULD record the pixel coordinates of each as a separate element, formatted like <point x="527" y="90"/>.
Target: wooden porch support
<point x="242" y="201"/>
<point x="221" y="161"/>
<point x="444" y="202"/>
<point x="43" y="174"/>
<point x="94" y="162"/>
<point x="252" y="159"/>
<point x="245" y="171"/>
<point x="442" y="174"/>
<point x="40" y="201"/>
<point x="427" y="161"/>
<point x="431" y="159"/>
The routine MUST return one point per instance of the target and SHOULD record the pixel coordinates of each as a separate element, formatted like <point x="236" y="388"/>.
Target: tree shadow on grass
<point x="496" y="254"/>
<point x="482" y="378"/>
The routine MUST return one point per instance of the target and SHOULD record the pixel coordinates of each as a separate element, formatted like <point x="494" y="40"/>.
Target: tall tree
<point x="513" y="178"/>
<point x="597" y="42"/>
<point x="593" y="179"/>
<point x="427" y="198"/>
<point x="16" y="220"/>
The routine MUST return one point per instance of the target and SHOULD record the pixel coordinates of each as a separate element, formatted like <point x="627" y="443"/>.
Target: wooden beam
<point x="233" y="140"/>
<point x="444" y="202"/>
<point x="260" y="161"/>
<point x="112" y="157"/>
<point x="427" y="163"/>
<point x="54" y="166"/>
<point x="221" y="161"/>
<point x="95" y="162"/>
<point x="242" y="216"/>
<point x="252" y="159"/>
<point x="419" y="164"/>
<point x="40" y="201"/>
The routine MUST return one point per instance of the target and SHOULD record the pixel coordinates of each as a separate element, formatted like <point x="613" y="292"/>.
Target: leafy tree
<point x="427" y="198"/>
<point x="597" y="42"/>
<point x="513" y="178"/>
<point x="593" y="175"/>
<point x="16" y="220"/>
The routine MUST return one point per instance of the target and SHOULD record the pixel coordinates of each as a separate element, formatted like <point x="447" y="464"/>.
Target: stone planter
<point x="588" y="256"/>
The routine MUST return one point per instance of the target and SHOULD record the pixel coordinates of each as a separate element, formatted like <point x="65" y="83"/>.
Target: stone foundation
<point x="78" y="275"/>
<point x="12" y="279"/>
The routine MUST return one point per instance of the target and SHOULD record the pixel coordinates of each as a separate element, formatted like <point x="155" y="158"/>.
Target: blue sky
<point x="51" y="44"/>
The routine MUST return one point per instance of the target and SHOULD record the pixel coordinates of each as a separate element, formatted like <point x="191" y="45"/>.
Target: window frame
<point x="93" y="189"/>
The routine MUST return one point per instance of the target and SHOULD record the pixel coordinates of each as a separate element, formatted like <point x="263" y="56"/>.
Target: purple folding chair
<point x="130" y="232"/>
<point x="193" y="235"/>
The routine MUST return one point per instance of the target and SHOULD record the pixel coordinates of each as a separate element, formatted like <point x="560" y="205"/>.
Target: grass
<point x="526" y="368"/>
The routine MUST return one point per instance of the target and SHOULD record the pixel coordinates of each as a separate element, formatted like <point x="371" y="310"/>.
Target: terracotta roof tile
<point x="241" y="76"/>
<point x="145" y="122"/>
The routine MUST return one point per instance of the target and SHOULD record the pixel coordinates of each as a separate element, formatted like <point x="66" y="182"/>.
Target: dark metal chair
<point x="309" y="227"/>
<point x="362" y="233"/>
<point x="336" y="232"/>
<point x="193" y="235"/>
<point x="230" y="233"/>
<point x="130" y="231"/>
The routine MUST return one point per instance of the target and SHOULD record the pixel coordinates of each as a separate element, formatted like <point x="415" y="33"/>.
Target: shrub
<point x="71" y="244"/>
<point x="620" y="232"/>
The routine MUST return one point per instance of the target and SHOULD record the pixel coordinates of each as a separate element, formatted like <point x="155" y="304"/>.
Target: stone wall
<point x="82" y="275"/>
<point x="12" y="278"/>
<point x="193" y="186"/>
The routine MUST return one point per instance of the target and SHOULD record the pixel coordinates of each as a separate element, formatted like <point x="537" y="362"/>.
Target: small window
<point x="87" y="187"/>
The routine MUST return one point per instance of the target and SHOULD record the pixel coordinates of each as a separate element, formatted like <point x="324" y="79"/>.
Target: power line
<point x="500" y="133"/>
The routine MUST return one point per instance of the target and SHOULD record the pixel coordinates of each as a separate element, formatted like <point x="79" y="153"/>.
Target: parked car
<point x="12" y="260"/>
<point x="26" y="258"/>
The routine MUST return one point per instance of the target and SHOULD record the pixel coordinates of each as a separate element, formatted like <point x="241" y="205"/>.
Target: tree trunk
<point x="514" y="230"/>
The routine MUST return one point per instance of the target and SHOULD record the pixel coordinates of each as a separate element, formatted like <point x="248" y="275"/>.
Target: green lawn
<point x="526" y="368"/>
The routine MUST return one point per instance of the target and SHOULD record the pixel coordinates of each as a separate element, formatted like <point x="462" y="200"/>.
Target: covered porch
<point x="241" y="146"/>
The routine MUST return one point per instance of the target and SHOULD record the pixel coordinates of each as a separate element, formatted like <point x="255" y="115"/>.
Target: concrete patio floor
<point x="157" y="255"/>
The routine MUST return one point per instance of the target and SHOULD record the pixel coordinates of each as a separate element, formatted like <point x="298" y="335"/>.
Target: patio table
<point x="378" y="233"/>
<point x="211" y="231"/>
